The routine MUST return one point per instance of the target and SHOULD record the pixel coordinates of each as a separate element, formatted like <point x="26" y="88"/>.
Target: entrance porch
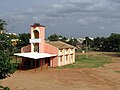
<point x="35" y="60"/>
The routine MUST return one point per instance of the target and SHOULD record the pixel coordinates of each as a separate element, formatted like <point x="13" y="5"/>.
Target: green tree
<point x="6" y="67"/>
<point x="111" y="43"/>
<point x="6" y="50"/>
<point x="12" y="36"/>
<point x="88" y="42"/>
<point x="114" y="42"/>
<point x="100" y="43"/>
<point x="55" y="37"/>
<point x="4" y="88"/>
<point x="73" y="41"/>
<point x="23" y="40"/>
<point x="6" y="44"/>
<point x="2" y="26"/>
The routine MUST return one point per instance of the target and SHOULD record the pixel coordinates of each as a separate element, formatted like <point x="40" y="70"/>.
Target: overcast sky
<point x="70" y="18"/>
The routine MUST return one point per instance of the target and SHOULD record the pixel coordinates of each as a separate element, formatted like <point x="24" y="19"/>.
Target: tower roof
<point x="37" y="25"/>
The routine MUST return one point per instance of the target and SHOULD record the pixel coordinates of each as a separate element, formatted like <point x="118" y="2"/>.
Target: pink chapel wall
<point x="54" y="63"/>
<point x="26" y="49"/>
<point x="42" y="36"/>
<point x="52" y="50"/>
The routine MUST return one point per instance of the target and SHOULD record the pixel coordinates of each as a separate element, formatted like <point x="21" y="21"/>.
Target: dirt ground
<point x="103" y="78"/>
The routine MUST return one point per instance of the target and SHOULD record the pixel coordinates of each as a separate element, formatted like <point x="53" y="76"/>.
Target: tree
<point x="73" y="41"/>
<point x="55" y="37"/>
<point x="12" y="36"/>
<point x="111" y="43"/>
<point x="6" y="44"/>
<point x="6" y="67"/>
<point x="100" y="43"/>
<point x="114" y="42"/>
<point x="2" y="26"/>
<point x="88" y="42"/>
<point x="6" y="50"/>
<point x="23" y="40"/>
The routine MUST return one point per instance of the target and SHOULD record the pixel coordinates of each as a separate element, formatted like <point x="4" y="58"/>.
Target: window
<point x="71" y="56"/>
<point x="66" y="57"/>
<point x="60" y="50"/>
<point x="60" y="58"/>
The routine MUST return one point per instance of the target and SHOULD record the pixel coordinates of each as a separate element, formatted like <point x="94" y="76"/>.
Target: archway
<point x="36" y="33"/>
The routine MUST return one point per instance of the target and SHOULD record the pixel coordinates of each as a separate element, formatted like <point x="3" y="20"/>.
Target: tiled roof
<point x="60" y="44"/>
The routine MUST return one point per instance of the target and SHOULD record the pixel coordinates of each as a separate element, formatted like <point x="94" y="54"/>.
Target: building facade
<point x="41" y="52"/>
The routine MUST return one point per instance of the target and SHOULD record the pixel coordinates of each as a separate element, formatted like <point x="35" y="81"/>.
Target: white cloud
<point x="30" y="10"/>
<point x="102" y="27"/>
<point x="83" y="21"/>
<point x="81" y="1"/>
<point x="19" y="17"/>
<point x="90" y="20"/>
<point x="57" y="6"/>
<point x="97" y="6"/>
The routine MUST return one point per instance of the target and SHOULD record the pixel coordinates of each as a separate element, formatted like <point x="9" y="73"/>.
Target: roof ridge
<point x="60" y="44"/>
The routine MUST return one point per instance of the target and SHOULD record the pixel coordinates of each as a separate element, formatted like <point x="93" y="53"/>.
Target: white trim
<point x="35" y="55"/>
<point x="35" y="40"/>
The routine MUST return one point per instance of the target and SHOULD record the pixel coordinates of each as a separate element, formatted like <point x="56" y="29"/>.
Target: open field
<point x="90" y="76"/>
<point x="89" y="60"/>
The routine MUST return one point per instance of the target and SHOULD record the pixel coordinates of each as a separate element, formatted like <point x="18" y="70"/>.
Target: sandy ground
<point x="103" y="78"/>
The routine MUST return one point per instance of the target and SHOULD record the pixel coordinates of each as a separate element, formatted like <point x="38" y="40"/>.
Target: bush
<point x="4" y="88"/>
<point x="6" y="67"/>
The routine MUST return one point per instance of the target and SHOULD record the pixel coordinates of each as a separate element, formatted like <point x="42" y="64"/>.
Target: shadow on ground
<point x="113" y="55"/>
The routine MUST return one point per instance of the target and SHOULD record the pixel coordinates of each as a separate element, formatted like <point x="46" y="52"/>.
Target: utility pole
<point x="86" y="50"/>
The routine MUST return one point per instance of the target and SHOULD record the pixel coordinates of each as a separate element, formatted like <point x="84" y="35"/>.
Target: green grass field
<point x="117" y="71"/>
<point x="91" y="61"/>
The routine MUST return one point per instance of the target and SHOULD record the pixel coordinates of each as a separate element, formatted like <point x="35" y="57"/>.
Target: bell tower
<point x="37" y="38"/>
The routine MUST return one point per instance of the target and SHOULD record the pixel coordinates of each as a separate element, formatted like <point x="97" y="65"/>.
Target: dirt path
<point x="65" y="79"/>
<point x="103" y="78"/>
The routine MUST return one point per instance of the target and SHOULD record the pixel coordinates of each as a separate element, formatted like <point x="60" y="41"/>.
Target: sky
<point x="70" y="18"/>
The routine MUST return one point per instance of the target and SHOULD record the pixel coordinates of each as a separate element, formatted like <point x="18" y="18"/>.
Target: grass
<point x="117" y="71"/>
<point x="92" y="61"/>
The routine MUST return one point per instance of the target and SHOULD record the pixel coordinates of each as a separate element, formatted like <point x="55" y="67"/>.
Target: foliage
<point x="4" y="88"/>
<point x="6" y="67"/>
<point x="55" y="37"/>
<point x="6" y="44"/>
<point x="111" y="43"/>
<point x="73" y="41"/>
<point x="23" y="40"/>
<point x="6" y="50"/>
<point x="88" y="43"/>
<point x="2" y="25"/>
<point x="114" y="42"/>
<point x="99" y="43"/>
<point x="12" y="36"/>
